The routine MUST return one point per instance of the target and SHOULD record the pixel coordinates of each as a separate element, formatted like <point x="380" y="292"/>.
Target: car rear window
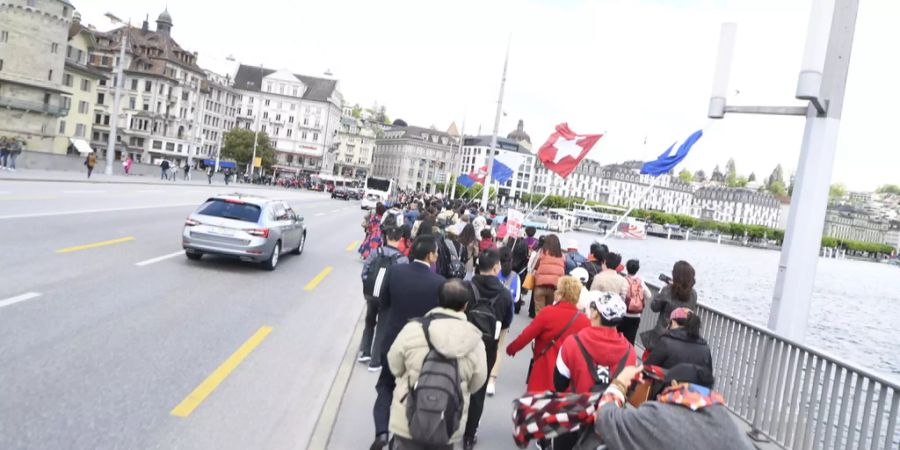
<point x="234" y="210"/>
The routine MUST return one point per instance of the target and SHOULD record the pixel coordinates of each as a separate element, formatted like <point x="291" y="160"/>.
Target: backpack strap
<point x="592" y="367"/>
<point x="561" y="333"/>
<point x="426" y="322"/>
<point x="450" y="244"/>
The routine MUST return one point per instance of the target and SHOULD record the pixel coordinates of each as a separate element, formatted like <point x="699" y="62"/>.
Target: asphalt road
<point x="100" y="344"/>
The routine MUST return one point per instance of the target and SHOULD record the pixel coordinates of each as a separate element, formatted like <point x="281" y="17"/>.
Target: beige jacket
<point x="452" y="337"/>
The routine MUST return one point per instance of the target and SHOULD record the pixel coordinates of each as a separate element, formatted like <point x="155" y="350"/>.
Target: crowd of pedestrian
<point x="443" y="280"/>
<point x="10" y="149"/>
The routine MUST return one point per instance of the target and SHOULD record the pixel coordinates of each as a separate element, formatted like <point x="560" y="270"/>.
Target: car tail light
<point x="237" y="202"/>
<point x="191" y="222"/>
<point x="260" y="232"/>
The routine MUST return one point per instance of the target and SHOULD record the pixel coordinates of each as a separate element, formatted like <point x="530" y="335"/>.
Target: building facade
<point x="474" y="157"/>
<point x="218" y="115"/>
<point x="300" y="114"/>
<point x="417" y="158"/>
<point x="738" y="205"/>
<point x="81" y="80"/>
<point x="892" y="236"/>
<point x="584" y="182"/>
<point x="850" y="223"/>
<point x="623" y="185"/>
<point x="160" y="100"/>
<point x="33" y="41"/>
<point x="356" y="147"/>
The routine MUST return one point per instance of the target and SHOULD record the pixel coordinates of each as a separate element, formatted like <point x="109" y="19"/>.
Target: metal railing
<point x="22" y="105"/>
<point x="793" y="395"/>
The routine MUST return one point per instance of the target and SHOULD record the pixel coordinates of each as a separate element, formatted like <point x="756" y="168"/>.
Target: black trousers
<point x="629" y="327"/>
<point x="370" y="345"/>
<point x="399" y="443"/>
<point x="385" y="390"/>
<point x="476" y="400"/>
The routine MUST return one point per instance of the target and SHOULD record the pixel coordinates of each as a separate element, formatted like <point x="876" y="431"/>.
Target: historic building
<point x="75" y="128"/>
<point x="624" y="185"/>
<point x="34" y="37"/>
<point x="417" y="158"/>
<point x="738" y="205"/>
<point x="356" y="147"/>
<point x="851" y="223"/>
<point x="300" y="114"/>
<point x="218" y="114"/>
<point x="474" y="157"/>
<point x="161" y="97"/>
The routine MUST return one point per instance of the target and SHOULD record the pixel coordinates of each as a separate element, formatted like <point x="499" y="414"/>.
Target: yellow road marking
<point x="193" y="400"/>
<point x="352" y="246"/>
<point x="95" y="245"/>
<point x="318" y="279"/>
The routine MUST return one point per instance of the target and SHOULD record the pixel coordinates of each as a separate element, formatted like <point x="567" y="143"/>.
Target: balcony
<point x="23" y="105"/>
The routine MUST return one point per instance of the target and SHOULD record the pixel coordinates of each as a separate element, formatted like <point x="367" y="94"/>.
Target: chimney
<point x="145" y="27"/>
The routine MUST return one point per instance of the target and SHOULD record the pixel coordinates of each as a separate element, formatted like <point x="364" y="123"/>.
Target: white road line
<point x="336" y="210"/>
<point x="150" y="192"/>
<point x="93" y="211"/>
<point x="319" y="214"/>
<point x="83" y="192"/>
<point x="158" y="259"/>
<point x="18" y="298"/>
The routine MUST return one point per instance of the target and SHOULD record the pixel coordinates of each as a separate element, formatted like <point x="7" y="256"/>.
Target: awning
<point x="226" y="164"/>
<point x="81" y="145"/>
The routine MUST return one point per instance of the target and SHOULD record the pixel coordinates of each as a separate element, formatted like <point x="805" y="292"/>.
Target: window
<point x="82" y="107"/>
<point x="134" y="85"/>
<point x="263" y="129"/>
<point x="1" y="64"/>
<point x="265" y="115"/>
<point x="146" y="105"/>
<point x="86" y="85"/>
<point x="101" y="97"/>
<point x="54" y="47"/>
<point x="303" y="135"/>
<point x="267" y="102"/>
<point x="291" y="118"/>
<point x="98" y="118"/>
<point x="79" y="130"/>
<point x="315" y="137"/>
<point x="50" y="75"/>
<point x="170" y="146"/>
<point x="4" y="36"/>
<point x="132" y="102"/>
<point x="157" y="145"/>
<point x="148" y="86"/>
<point x="102" y="82"/>
<point x="67" y="80"/>
<point x="66" y="102"/>
<point x="62" y="127"/>
<point x="277" y="117"/>
<point x="289" y="132"/>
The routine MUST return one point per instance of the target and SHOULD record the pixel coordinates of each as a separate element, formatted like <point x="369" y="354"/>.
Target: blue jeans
<point x="4" y="154"/>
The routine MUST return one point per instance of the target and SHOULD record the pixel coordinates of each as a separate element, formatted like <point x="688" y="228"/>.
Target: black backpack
<point x="592" y="269"/>
<point x="483" y="315"/>
<point x="600" y="374"/>
<point x="456" y="268"/>
<point x="435" y="403"/>
<point x="377" y="276"/>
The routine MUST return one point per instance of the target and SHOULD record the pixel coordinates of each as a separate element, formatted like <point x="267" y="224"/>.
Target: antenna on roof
<point x="328" y="73"/>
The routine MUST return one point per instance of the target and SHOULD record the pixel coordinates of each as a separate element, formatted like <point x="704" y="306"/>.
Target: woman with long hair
<point x="372" y="226"/>
<point x="550" y="267"/>
<point x="679" y="294"/>
<point x="469" y="242"/>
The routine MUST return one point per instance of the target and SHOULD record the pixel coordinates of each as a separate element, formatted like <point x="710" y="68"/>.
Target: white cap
<point x="572" y="244"/>
<point x="581" y="273"/>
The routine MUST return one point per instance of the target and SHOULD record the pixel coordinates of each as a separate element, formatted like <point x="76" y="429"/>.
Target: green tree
<point x="777" y="175"/>
<point x="731" y="173"/>
<point x="889" y="189"/>
<point x="686" y="176"/>
<point x="837" y="191"/>
<point x="741" y="181"/>
<point x="752" y="177"/>
<point x="357" y="111"/>
<point x="700" y="176"/>
<point x="776" y="188"/>
<point x="238" y="146"/>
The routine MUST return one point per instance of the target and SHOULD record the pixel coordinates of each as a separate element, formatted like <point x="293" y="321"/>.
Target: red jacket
<point x="549" y="270"/>
<point x="606" y="346"/>
<point x="548" y="324"/>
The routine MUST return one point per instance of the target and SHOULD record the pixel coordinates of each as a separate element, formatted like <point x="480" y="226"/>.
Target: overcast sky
<point x="635" y="70"/>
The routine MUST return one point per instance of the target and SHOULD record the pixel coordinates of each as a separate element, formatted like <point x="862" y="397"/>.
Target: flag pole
<point x="533" y="210"/>
<point x="454" y="168"/>
<point x="631" y="208"/>
<point x="490" y="157"/>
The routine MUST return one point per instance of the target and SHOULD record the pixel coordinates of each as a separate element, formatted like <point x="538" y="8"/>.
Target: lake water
<point x="855" y="307"/>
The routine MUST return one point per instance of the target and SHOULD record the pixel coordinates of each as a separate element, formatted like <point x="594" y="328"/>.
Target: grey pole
<point x="490" y="157"/>
<point x="197" y="117"/>
<point x="117" y="98"/>
<point x="800" y="253"/>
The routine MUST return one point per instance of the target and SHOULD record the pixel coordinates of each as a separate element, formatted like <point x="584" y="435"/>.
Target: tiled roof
<point x="249" y="78"/>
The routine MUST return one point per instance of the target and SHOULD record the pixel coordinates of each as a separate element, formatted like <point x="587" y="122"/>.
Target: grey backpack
<point x="435" y="404"/>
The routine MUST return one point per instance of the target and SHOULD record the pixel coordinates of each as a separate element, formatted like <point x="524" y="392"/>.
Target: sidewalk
<point x="198" y="178"/>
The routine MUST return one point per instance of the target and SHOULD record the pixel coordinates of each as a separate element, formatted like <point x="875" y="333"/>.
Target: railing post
<point x="761" y="375"/>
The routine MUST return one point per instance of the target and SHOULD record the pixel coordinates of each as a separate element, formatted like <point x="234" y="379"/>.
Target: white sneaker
<point x="363" y="358"/>
<point x="491" y="389"/>
<point x="374" y="368"/>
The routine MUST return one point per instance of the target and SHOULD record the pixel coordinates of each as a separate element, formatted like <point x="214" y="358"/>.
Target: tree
<point x="686" y="176"/>
<point x="837" y="191"/>
<point x="777" y="175"/>
<point x="238" y="146"/>
<point x="731" y="173"/>
<point x="741" y="181"/>
<point x="357" y="111"/>
<point x="717" y="175"/>
<point x="700" y="176"/>
<point x="776" y="188"/>
<point x="752" y="177"/>
<point x="889" y="189"/>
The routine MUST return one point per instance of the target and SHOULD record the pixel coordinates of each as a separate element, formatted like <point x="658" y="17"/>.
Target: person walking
<point x="5" y="144"/>
<point x="15" y="149"/>
<point x="382" y="259"/>
<point x="548" y="330"/>
<point x="209" y="174"/>
<point x="90" y="162"/>
<point x="187" y="172"/>
<point x="549" y="267"/>
<point x="679" y="294"/>
<point x="227" y="176"/>
<point x="164" y="170"/>
<point x="573" y="258"/>
<point x="469" y="241"/>
<point x="638" y="296"/>
<point x="608" y="280"/>
<point x="411" y="291"/>
<point x="126" y="165"/>
<point x="489" y="292"/>
<point x="510" y="280"/>
<point x="446" y="331"/>
<point x="372" y="225"/>
<point x="682" y="343"/>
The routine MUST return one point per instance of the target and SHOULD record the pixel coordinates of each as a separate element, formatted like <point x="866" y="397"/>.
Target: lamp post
<point x="197" y="116"/>
<point x="117" y="97"/>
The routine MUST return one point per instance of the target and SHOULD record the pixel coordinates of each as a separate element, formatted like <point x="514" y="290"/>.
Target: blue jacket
<point x="573" y="261"/>
<point x="411" y="291"/>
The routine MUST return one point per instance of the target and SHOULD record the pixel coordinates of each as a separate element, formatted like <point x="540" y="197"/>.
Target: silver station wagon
<point x="247" y="227"/>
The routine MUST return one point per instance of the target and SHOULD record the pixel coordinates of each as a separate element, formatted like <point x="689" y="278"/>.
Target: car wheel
<point x="299" y="249"/>
<point x="272" y="262"/>
<point x="193" y="256"/>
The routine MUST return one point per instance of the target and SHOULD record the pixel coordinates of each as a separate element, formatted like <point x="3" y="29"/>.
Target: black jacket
<point x="519" y="256"/>
<point x="490" y="286"/>
<point x="411" y="291"/>
<point x="675" y="347"/>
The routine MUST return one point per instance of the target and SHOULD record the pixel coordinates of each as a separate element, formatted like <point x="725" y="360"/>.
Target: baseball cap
<point x="581" y="273"/>
<point x="680" y="313"/>
<point x="610" y="305"/>
<point x="572" y="244"/>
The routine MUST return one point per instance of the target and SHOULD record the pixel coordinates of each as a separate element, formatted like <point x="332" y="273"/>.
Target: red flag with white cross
<point x="565" y="149"/>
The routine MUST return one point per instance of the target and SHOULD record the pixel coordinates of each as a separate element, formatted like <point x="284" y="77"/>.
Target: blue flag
<point x="668" y="161"/>
<point x="465" y="180"/>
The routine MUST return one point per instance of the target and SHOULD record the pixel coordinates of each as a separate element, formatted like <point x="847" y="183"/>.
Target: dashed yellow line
<point x="95" y="245"/>
<point x="193" y="400"/>
<point x="352" y="246"/>
<point x="318" y="279"/>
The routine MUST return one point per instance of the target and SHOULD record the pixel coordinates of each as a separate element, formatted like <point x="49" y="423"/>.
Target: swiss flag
<point x="479" y="175"/>
<point x="565" y="149"/>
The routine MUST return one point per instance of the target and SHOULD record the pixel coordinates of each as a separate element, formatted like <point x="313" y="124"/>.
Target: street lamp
<point x="120" y="84"/>
<point x="197" y="117"/>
